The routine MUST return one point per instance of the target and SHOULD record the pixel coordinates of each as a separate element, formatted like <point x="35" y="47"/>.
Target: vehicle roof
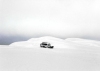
<point x="45" y="43"/>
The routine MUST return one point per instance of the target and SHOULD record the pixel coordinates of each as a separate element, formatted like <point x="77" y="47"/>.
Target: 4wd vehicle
<point x="46" y="45"/>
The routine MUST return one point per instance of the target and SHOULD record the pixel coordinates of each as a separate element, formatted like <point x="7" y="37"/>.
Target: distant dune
<point x="84" y="41"/>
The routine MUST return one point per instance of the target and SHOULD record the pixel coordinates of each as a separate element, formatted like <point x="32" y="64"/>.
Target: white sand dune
<point x="84" y="41"/>
<point x="56" y="42"/>
<point x="71" y="56"/>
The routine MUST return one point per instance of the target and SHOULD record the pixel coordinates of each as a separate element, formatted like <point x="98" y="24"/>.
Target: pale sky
<point x="58" y="18"/>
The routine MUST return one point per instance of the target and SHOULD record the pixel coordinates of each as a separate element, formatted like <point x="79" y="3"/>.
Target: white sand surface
<point x="69" y="57"/>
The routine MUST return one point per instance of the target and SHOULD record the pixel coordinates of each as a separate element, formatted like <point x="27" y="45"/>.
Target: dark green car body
<point x="46" y="45"/>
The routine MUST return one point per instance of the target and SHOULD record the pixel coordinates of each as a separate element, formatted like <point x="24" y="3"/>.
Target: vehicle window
<point x="44" y="44"/>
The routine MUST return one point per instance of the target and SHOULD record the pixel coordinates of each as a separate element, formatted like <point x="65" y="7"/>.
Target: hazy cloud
<point x="59" y="18"/>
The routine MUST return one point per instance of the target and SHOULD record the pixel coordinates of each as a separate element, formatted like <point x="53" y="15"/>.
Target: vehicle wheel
<point x="51" y="47"/>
